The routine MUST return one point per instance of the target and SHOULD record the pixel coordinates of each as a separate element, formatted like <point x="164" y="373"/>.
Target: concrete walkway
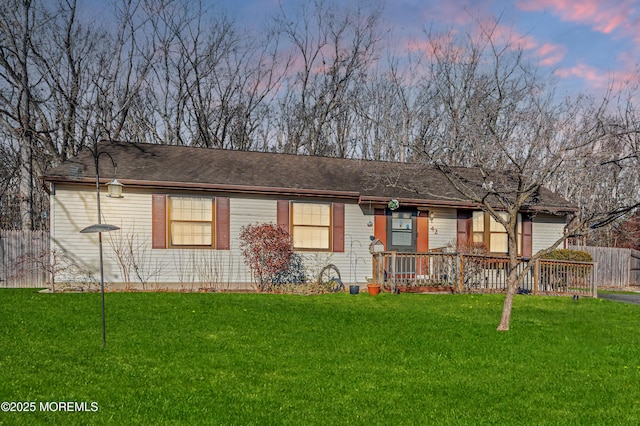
<point x="619" y="297"/>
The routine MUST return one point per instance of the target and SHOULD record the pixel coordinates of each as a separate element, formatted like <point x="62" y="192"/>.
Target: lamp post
<point x="115" y="191"/>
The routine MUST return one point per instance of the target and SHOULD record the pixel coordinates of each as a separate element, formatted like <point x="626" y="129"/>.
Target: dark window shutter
<point x="283" y="215"/>
<point x="338" y="227"/>
<point x="380" y="226"/>
<point x="422" y="242"/>
<point x="422" y="229"/>
<point x="464" y="228"/>
<point x="223" y="217"/>
<point x="159" y="221"/>
<point x="527" y="236"/>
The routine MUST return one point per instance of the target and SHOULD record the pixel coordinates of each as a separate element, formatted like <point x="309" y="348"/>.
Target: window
<point x="402" y="229"/>
<point x="477" y="228"/>
<point x="311" y="226"/>
<point x="498" y="240"/>
<point x="489" y="232"/>
<point x="191" y="221"/>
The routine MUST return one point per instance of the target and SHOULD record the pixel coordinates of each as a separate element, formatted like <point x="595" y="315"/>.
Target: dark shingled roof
<point x="177" y="167"/>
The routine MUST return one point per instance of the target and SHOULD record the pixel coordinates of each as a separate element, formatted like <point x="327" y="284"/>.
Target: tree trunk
<point x="26" y="136"/>
<point x="26" y="184"/>
<point x="505" y="319"/>
<point x="512" y="288"/>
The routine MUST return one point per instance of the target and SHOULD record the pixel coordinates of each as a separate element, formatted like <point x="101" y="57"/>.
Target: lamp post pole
<point x="104" y="323"/>
<point x="115" y="190"/>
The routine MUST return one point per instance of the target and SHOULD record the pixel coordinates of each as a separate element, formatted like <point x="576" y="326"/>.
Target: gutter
<point x="378" y="201"/>
<point x="208" y="187"/>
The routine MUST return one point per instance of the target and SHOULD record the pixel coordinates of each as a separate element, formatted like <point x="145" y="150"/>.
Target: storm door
<point x="401" y="237"/>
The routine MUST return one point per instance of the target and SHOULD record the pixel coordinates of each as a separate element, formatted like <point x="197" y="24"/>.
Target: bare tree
<point x="494" y="112"/>
<point x="210" y="83"/>
<point x="392" y="110"/>
<point x="61" y="81"/>
<point x="332" y="49"/>
<point x="17" y="30"/>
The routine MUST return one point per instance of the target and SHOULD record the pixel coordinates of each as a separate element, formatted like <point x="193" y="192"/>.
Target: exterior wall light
<point x="114" y="189"/>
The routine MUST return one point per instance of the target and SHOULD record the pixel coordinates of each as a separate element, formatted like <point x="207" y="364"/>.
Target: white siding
<point x="355" y="262"/>
<point x="442" y="228"/>
<point x="546" y="230"/>
<point x="73" y="210"/>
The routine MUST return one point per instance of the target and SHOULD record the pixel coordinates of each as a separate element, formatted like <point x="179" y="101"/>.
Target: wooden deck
<point x="483" y="274"/>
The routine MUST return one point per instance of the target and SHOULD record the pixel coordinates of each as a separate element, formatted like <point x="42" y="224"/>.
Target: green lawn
<point x="246" y="359"/>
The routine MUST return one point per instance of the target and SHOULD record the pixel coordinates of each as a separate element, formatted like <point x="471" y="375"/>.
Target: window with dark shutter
<point x="191" y="221"/>
<point x="188" y="221"/>
<point x="313" y="226"/>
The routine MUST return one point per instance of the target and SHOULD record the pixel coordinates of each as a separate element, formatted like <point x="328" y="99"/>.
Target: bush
<point x="267" y="251"/>
<point x="294" y="274"/>
<point x="570" y="255"/>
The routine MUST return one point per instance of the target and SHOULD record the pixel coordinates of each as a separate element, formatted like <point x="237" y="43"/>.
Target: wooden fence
<point x="465" y="273"/>
<point x="617" y="267"/>
<point x="18" y="253"/>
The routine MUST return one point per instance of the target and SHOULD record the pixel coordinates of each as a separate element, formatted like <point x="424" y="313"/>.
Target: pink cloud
<point x="551" y="54"/>
<point x="599" y="79"/>
<point x="582" y="71"/>
<point x="605" y="16"/>
<point x="547" y="54"/>
<point x="437" y="46"/>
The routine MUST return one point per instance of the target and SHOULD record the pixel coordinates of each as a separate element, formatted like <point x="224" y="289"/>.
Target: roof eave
<point x="373" y="201"/>
<point x="221" y="188"/>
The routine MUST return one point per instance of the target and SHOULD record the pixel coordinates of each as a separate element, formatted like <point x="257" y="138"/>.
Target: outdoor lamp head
<point x="115" y="189"/>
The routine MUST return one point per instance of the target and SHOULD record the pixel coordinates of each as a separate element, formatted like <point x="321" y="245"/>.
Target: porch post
<point x="374" y="268"/>
<point x="392" y="271"/>
<point x="594" y="280"/>
<point x="536" y="277"/>
<point x="460" y="273"/>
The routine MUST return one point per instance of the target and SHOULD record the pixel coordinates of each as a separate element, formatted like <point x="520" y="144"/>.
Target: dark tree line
<point x="324" y="79"/>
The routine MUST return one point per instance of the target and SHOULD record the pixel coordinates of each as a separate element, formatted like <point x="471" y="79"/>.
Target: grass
<point x="253" y="359"/>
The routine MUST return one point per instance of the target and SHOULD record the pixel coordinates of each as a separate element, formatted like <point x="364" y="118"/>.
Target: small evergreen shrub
<point x="570" y="255"/>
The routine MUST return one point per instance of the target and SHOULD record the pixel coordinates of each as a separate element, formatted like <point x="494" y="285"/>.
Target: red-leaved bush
<point x="267" y="250"/>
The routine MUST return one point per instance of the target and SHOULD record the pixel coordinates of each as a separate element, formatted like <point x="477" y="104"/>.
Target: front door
<point x="401" y="237"/>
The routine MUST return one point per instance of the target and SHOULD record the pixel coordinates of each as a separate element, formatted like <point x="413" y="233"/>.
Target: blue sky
<point x="587" y="44"/>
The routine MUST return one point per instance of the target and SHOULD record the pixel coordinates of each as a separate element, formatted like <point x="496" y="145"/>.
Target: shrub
<point x="570" y="255"/>
<point x="564" y="276"/>
<point x="267" y="251"/>
<point x="294" y="274"/>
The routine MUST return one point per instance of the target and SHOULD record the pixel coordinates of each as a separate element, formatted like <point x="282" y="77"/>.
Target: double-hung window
<point x="489" y="232"/>
<point x="191" y="221"/>
<point x="311" y="226"/>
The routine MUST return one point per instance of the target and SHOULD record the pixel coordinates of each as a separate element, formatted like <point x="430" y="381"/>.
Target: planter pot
<point x="354" y="289"/>
<point x="373" y="289"/>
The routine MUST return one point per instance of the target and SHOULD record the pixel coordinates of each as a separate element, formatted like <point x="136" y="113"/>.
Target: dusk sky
<point x="587" y="44"/>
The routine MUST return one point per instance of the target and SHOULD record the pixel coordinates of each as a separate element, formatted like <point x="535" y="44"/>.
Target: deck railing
<point x="468" y="273"/>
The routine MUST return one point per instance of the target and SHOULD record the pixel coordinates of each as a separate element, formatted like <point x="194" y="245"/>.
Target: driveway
<point x="619" y="297"/>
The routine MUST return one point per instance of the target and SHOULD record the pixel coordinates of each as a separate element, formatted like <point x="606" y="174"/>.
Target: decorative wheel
<point x="330" y="277"/>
